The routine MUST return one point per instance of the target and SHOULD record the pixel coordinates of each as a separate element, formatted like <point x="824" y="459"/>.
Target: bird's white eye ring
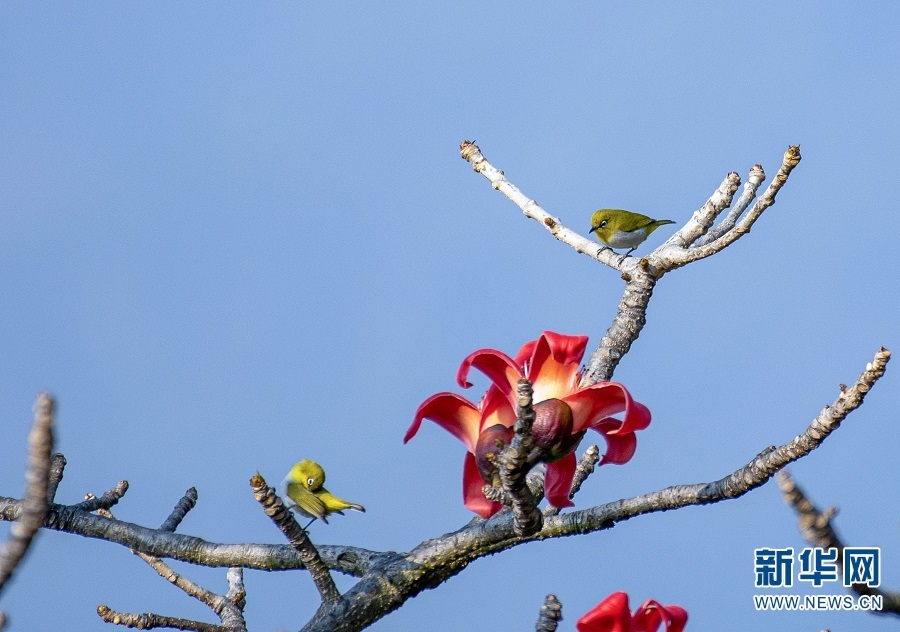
<point x="310" y="481"/>
<point x="603" y="224"/>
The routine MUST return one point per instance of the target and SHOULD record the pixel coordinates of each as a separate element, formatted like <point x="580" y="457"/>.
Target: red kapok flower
<point x="564" y="411"/>
<point x="613" y="615"/>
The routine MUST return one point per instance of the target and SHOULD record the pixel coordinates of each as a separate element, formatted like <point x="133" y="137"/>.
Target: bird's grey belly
<point x="629" y="239"/>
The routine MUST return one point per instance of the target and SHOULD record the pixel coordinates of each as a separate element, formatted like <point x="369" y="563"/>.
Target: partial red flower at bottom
<point x="613" y="615"/>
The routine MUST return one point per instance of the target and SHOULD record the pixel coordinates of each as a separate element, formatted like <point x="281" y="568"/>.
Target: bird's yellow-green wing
<point x="335" y="504"/>
<point x="307" y="502"/>
<point x="656" y="223"/>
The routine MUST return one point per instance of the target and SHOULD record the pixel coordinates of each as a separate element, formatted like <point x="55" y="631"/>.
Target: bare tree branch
<point x="703" y="218"/>
<point x="33" y="509"/>
<point x="435" y="560"/>
<point x="757" y="177"/>
<point x="268" y="557"/>
<point x="816" y="528"/>
<point x="550" y="615"/>
<point x="585" y="468"/>
<point x="470" y="152"/>
<point x="673" y="254"/>
<point x="236" y="594"/>
<point x="108" y="500"/>
<point x="284" y="520"/>
<point x="228" y="608"/>
<point x="149" y="620"/>
<point x="187" y="502"/>
<point x="57" y="466"/>
<point x="388" y="579"/>
<point x="642" y="274"/>
<point x="515" y="461"/>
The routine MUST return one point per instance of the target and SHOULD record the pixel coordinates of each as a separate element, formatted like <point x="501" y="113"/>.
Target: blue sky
<point x="234" y="237"/>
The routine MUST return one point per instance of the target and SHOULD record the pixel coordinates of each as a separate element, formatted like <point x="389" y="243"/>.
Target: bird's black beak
<point x="593" y="228"/>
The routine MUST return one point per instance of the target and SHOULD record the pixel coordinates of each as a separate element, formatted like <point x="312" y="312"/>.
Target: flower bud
<point x="490" y="442"/>
<point x="552" y="429"/>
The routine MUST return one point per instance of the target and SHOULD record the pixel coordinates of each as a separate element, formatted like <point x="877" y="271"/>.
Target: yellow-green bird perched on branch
<point x="616" y="228"/>
<point x="304" y="494"/>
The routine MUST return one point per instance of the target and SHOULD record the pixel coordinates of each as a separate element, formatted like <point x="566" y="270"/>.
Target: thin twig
<point x="284" y="520"/>
<point x="108" y="500"/>
<point x="34" y="507"/>
<point x="585" y="468"/>
<point x="668" y="256"/>
<point x="703" y="218"/>
<point x="187" y="502"/>
<point x="757" y="177"/>
<point x="229" y="610"/>
<point x="470" y="152"/>
<point x="149" y="620"/>
<point x="57" y="466"/>
<point x="550" y="615"/>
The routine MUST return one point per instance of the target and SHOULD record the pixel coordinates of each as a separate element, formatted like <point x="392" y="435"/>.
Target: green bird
<point x="304" y="493"/>
<point x="616" y="228"/>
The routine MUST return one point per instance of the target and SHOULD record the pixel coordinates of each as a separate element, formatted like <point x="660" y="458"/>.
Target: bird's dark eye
<point x="310" y="481"/>
<point x="603" y="224"/>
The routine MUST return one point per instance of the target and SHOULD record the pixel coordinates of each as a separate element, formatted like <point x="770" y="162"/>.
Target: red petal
<point x="651" y="613"/>
<point x="558" y="481"/>
<point x="499" y="367"/>
<point x="525" y="352"/>
<point x="454" y="413"/>
<point x="473" y="498"/>
<point x="610" y="615"/>
<point x="553" y="369"/>
<point x="595" y="403"/>
<point x="619" y="447"/>
<point x="496" y="409"/>
<point x="566" y="349"/>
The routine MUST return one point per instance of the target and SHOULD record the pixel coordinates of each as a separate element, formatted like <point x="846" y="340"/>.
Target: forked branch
<point x="697" y="239"/>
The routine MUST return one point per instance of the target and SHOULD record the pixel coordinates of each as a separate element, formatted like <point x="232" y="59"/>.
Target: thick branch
<point x="390" y="579"/>
<point x="267" y="557"/>
<point x="514" y="463"/>
<point x="434" y="561"/>
<point x="34" y="508"/>
<point x="630" y="319"/>
<point x="816" y="528"/>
